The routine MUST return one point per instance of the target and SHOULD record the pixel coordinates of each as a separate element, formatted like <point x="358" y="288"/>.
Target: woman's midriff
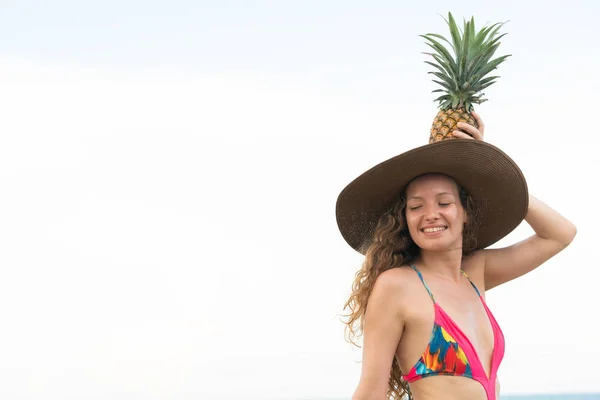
<point x="449" y="388"/>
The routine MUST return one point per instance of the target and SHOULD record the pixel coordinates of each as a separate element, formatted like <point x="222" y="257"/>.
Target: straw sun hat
<point x="491" y="177"/>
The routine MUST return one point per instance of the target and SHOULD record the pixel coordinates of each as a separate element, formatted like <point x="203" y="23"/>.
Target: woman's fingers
<point x="479" y="122"/>
<point x="471" y="130"/>
<point x="461" y="135"/>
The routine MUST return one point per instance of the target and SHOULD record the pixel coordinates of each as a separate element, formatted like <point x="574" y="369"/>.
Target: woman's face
<point x="434" y="213"/>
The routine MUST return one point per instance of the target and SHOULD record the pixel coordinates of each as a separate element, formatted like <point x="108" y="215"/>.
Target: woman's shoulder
<point x="474" y="267"/>
<point x="398" y="282"/>
<point x="397" y="277"/>
<point x="474" y="262"/>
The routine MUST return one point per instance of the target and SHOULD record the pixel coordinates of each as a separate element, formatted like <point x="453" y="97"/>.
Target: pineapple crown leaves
<point x="462" y="75"/>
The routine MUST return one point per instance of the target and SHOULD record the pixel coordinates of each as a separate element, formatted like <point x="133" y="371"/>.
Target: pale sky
<point x="169" y="172"/>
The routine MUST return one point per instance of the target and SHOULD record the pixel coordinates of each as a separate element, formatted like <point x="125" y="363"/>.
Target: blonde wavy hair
<point x="391" y="246"/>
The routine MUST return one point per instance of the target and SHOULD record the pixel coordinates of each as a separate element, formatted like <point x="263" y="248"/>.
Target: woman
<point x="423" y="221"/>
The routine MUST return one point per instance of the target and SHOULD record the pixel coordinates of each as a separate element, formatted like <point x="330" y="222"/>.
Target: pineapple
<point x="463" y="76"/>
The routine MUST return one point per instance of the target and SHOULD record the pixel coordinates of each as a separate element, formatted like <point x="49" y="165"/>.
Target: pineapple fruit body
<point x="445" y="122"/>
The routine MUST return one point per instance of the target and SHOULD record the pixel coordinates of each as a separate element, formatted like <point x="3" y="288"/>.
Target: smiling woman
<point x="423" y="220"/>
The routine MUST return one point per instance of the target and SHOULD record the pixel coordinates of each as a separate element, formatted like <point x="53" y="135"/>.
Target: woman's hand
<point x="472" y="132"/>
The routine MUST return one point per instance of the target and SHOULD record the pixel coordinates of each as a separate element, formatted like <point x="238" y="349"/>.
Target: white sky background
<point x="169" y="175"/>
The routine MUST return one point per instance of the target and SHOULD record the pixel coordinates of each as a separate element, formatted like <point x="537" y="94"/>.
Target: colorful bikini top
<point x="450" y="351"/>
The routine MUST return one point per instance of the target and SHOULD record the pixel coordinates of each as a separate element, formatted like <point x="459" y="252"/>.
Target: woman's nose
<point x="431" y="213"/>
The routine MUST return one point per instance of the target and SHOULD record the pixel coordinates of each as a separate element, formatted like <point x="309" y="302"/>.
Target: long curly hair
<point x="391" y="246"/>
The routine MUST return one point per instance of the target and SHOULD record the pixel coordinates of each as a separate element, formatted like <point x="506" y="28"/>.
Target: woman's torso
<point x="463" y="306"/>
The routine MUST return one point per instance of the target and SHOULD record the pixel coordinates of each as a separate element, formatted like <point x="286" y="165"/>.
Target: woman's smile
<point x="434" y="231"/>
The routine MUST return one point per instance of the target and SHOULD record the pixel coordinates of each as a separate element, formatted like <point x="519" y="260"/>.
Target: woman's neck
<point x="446" y="265"/>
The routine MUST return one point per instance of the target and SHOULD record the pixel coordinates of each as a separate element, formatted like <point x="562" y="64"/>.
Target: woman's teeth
<point x="431" y="230"/>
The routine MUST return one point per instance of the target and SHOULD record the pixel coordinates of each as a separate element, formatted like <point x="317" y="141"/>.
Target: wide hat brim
<point x="492" y="178"/>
